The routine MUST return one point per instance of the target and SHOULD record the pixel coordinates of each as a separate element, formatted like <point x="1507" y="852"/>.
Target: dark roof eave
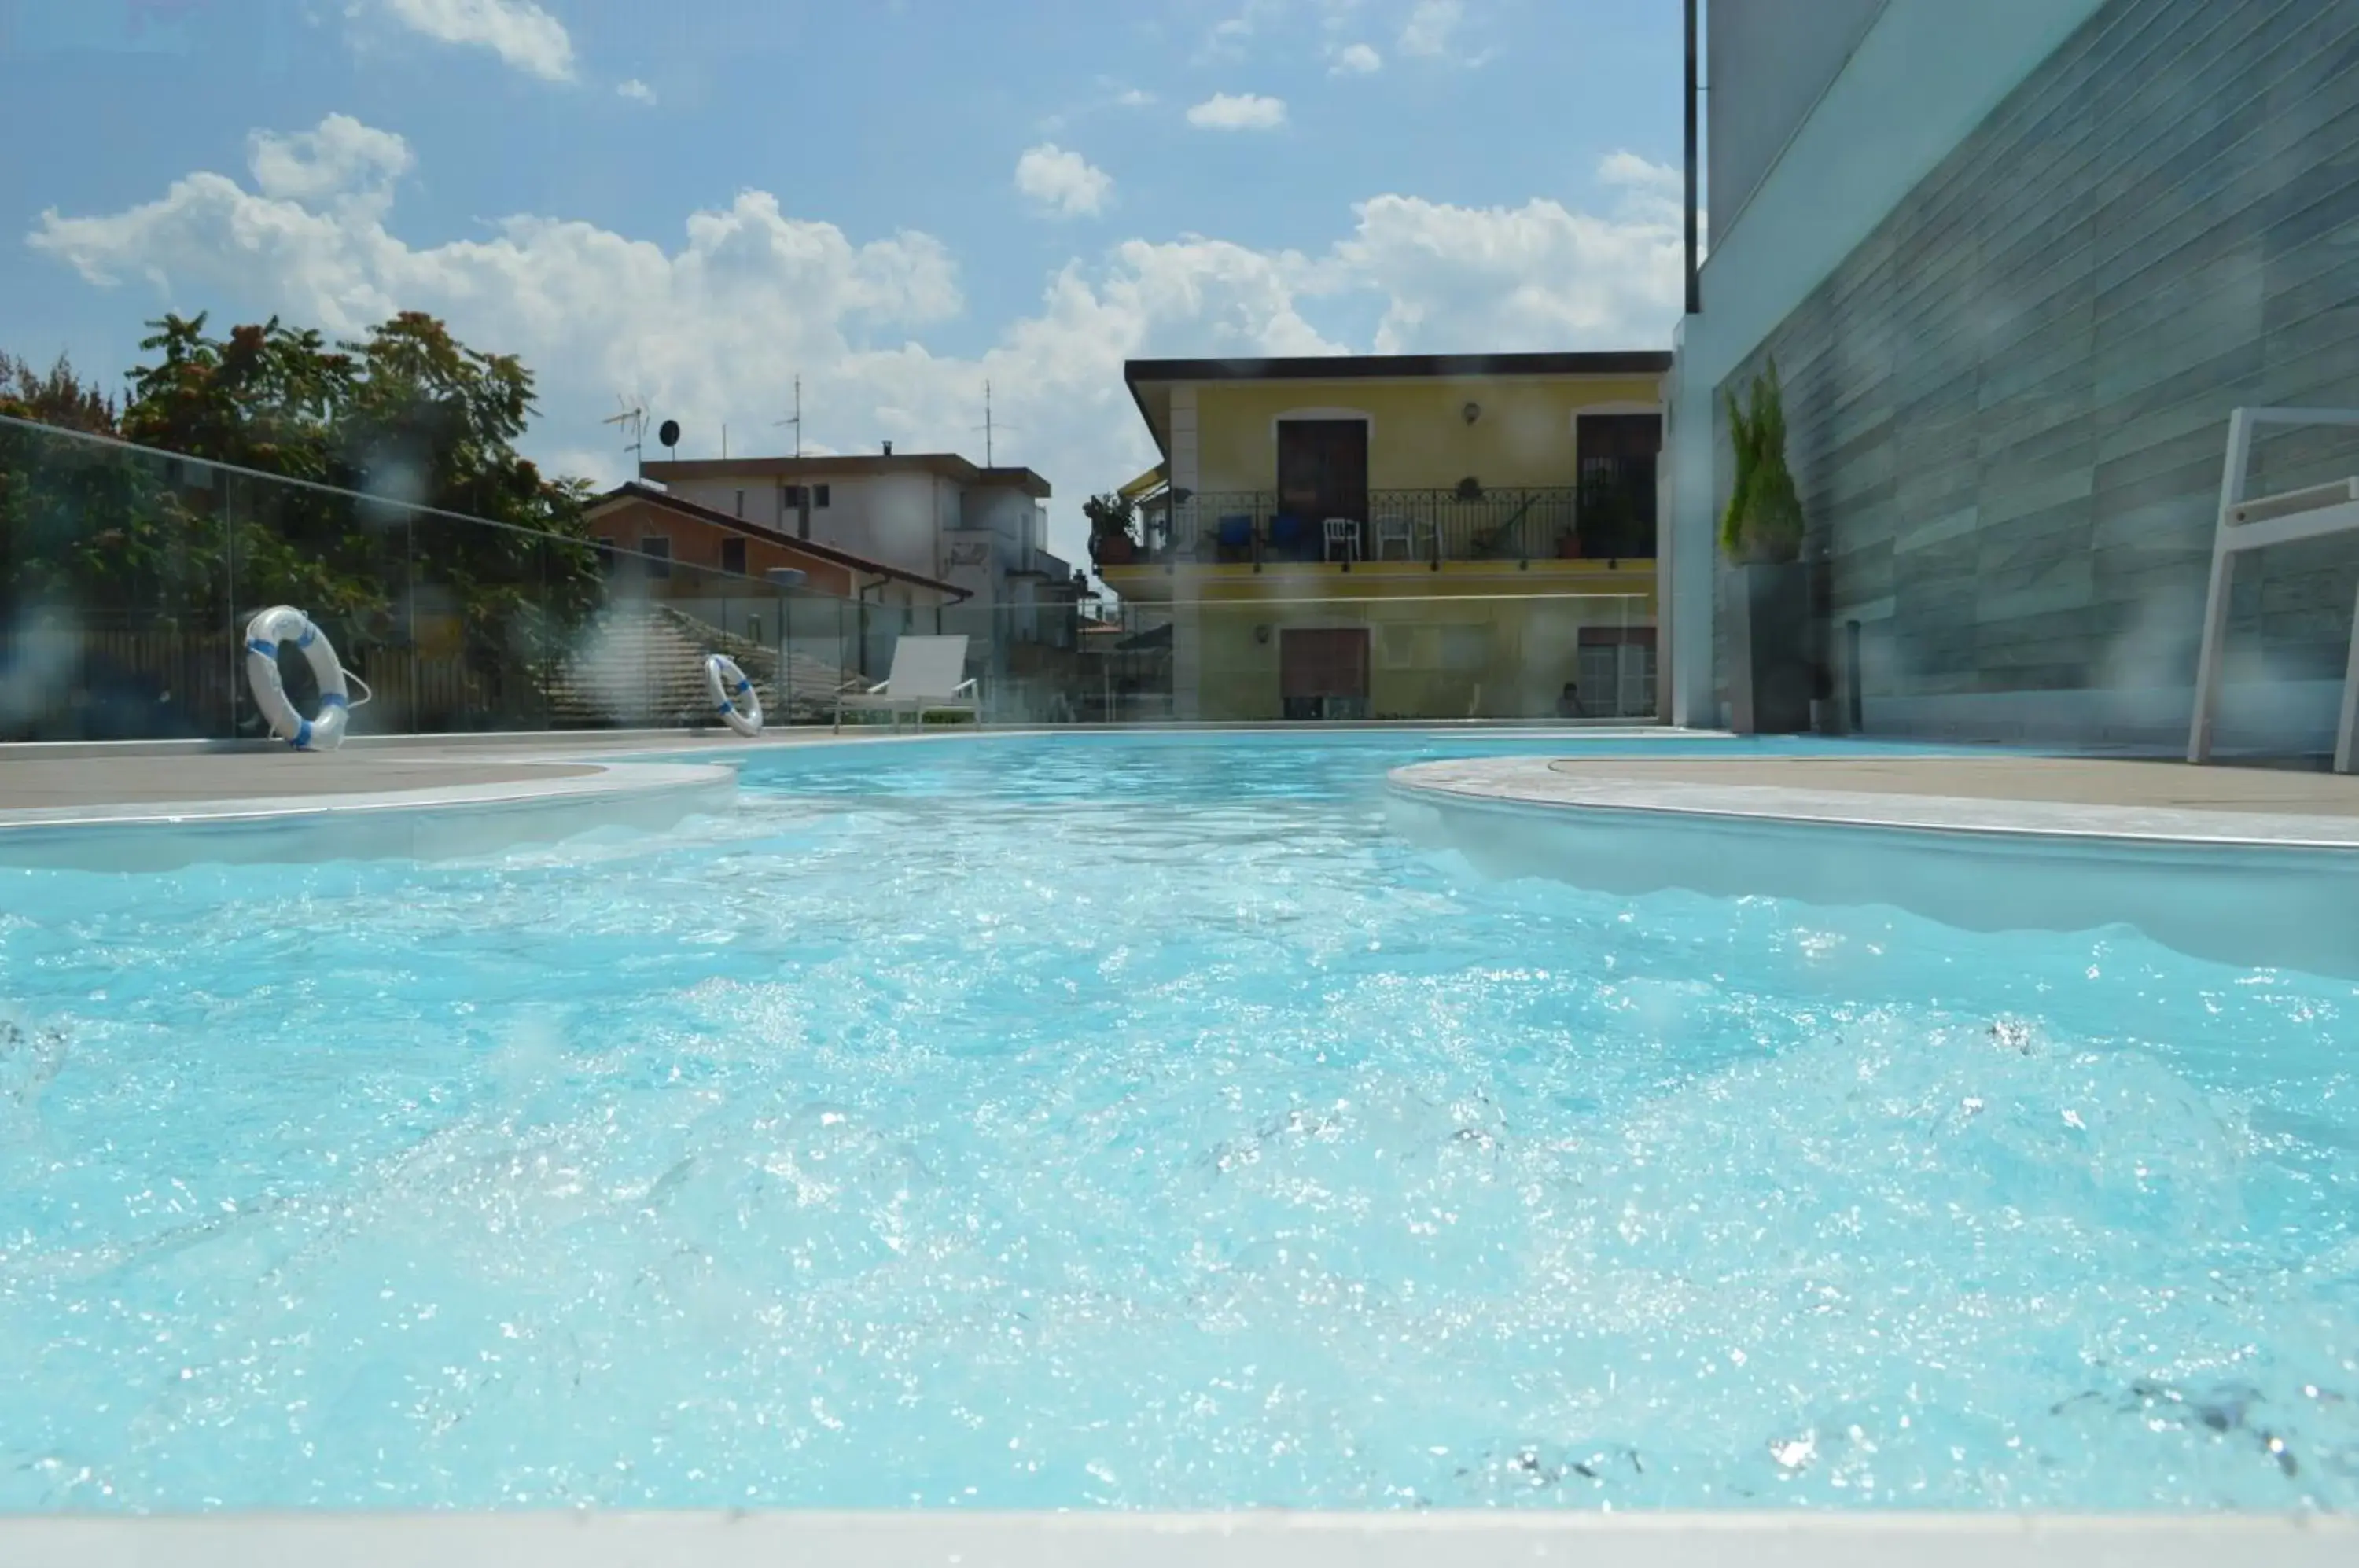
<point x="945" y="464"/>
<point x="1162" y="437"/>
<point x="1381" y="366"/>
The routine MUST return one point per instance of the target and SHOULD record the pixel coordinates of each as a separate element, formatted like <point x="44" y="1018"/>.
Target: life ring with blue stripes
<point x="284" y="622"/>
<point x="734" y="697"/>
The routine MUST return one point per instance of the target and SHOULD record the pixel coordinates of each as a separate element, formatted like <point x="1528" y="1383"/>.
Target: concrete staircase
<point x="642" y="666"/>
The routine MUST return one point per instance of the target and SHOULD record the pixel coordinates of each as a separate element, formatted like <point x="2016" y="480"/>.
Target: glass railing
<point x="1496" y="653"/>
<point x="1609" y="516"/>
<point x="128" y="577"/>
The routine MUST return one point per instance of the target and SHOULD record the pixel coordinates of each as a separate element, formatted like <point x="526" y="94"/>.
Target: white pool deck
<point x="159" y="805"/>
<point x="2110" y="799"/>
<point x="99" y="782"/>
<point x="1261" y="1539"/>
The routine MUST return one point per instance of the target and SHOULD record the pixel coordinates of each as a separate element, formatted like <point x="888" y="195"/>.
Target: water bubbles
<point x="815" y="1156"/>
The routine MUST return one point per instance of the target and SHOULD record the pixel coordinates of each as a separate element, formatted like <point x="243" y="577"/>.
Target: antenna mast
<point x="987" y="427"/>
<point x="635" y="417"/>
<point x="798" y="420"/>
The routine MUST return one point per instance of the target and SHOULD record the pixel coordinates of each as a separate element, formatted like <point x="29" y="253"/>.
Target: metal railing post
<point x="2215" y="604"/>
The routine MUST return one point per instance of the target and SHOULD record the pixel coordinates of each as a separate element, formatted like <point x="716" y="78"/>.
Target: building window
<point x="656" y="548"/>
<point x="732" y="556"/>
<point x="606" y="553"/>
<point x="818" y="497"/>
<point x="741" y="503"/>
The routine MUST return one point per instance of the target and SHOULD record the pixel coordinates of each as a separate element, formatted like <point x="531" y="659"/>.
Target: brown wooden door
<point x="1323" y="662"/>
<point x="1322" y="469"/>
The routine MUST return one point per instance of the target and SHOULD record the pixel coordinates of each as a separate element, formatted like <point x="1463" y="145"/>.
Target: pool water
<point x="1133" y="1122"/>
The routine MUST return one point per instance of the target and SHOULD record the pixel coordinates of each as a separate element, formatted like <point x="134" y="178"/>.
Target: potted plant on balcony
<point x="1761" y="533"/>
<point x="1112" y="542"/>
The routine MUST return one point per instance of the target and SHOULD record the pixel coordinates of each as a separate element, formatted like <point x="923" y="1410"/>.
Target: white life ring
<point x="734" y="697"/>
<point x="279" y="624"/>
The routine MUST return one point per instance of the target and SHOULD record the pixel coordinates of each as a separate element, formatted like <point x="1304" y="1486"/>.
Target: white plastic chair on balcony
<point x="1342" y="533"/>
<point x="1403" y="531"/>
<point x="2252" y="522"/>
<point x="928" y="676"/>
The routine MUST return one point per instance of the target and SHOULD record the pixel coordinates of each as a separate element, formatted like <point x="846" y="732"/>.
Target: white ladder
<point x="2251" y="523"/>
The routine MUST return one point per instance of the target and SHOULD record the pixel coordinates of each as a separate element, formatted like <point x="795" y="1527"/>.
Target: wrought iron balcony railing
<point x="1611" y="516"/>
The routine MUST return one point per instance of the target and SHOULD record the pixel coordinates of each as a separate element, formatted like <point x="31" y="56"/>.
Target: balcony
<point x="1611" y="518"/>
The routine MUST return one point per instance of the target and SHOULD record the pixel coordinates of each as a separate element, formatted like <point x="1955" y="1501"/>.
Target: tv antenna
<point x="987" y="427"/>
<point x="797" y="420"/>
<point x="635" y="416"/>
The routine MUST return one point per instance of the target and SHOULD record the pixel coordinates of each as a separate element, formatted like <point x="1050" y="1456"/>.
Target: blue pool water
<point x="1133" y="1122"/>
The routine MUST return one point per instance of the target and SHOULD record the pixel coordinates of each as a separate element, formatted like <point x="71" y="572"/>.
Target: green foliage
<point x="407" y="416"/>
<point x="1110" y="515"/>
<point x="57" y="397"/>
<point x="1764" y="520"/>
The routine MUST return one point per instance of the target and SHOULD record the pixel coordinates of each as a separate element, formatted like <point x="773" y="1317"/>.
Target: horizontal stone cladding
<point x="2007" y="409"/>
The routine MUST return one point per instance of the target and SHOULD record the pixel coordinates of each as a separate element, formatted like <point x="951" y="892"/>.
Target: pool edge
<point x="586" y="1539"/>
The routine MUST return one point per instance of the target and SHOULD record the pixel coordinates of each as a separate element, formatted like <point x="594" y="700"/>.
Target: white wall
<point x="1923" y="76"/>
<point x="894" y="518"/>
<point x="1012" y="517"/>
<point x="891" y="517"/>
<point x="1779" y="66"/>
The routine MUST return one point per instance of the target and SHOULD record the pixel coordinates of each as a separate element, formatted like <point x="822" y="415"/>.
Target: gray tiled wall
<point x="2007" y="407"/>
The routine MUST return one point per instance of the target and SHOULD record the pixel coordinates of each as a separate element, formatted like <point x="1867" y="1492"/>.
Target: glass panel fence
<point x="128" y="578"/>
<point x="1486" y="654"/>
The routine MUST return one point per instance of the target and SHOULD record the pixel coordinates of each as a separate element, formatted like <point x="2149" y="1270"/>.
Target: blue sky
<point x="895" y="199"/>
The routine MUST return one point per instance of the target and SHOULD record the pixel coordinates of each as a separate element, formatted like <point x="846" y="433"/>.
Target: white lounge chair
<point x="928" y="676"/>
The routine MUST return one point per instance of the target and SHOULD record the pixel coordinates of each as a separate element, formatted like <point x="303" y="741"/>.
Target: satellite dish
<point x="669" y="432"/>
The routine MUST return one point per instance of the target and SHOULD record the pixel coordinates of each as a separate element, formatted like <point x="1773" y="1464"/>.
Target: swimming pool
<point x="1134" y="1121"/>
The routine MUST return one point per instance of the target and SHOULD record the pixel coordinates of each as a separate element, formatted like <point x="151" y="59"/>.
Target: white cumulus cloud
<point x="1238" y="112"/>
<point x="1656" y="190"/>
<point x="1355" y="60"/>
<point x="518" y="31"/>
<point x="710" y="324"/>
<point x="1534" y="275"/>
<point x="1062" y="182"/>
<point x="637" y="92"/>
<point x="339" y="163"/>
<point x="1430" y="27"/>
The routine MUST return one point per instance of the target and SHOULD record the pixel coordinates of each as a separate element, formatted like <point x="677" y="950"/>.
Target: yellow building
<point x="1400" y="536"/>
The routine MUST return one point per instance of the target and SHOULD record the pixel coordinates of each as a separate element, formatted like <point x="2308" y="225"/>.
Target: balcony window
<point x="1617" y="454"/>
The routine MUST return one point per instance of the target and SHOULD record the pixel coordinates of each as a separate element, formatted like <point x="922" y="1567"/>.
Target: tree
<point x="407" y="416"/>
<point x="57" y="396"/>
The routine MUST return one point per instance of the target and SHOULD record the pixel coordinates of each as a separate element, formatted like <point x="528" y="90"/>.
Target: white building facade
<point x="983" y="529"/>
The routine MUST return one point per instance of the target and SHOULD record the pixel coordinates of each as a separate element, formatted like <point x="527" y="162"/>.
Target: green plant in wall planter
<point x="1763" y="525"/>
<point x="1771" y="676"/>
